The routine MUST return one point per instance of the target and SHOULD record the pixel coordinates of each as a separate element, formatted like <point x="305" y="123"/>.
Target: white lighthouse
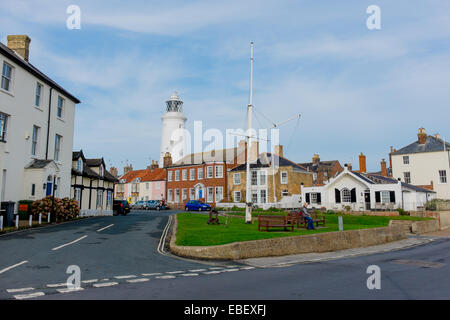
<point x="173" y="139"/>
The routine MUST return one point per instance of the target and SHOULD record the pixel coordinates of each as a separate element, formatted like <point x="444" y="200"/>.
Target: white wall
<point x="15" y="154"/>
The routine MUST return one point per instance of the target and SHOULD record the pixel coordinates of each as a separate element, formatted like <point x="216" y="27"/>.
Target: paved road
<point x="105" y="248"/>
<point x="120" y="253"/>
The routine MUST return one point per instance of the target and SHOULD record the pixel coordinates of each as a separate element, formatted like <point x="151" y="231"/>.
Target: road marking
<point x="174" y="272"/>
<point x="419" y="263"/>
<point x="11" y="267"/>
<point x="105" y="227"/>
<point x="90" y="281"/>
<point x="29" y="296"/>
<point x="68" y="290"/>
<point x="56" y="285"/>
<point x="151" y="274"/>
<point x="247" y="268"/>
<point x="162" y="240"/>
<point x="216" y="268"/>
<point x="138" y="280"/>
<point x="105" y="284"/>
<point x="213" y="272"/>
<point x="230" y="270"/>
<point x="190" y="274"/>
<point x="166" y="277"/>
<point x="197" y="270"/>
<point x="19" y="290"/>
<point x="67" y="244"/>
<point x="125" y="277"/>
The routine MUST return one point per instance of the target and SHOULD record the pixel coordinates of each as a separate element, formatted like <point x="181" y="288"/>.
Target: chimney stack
<point x="279" y="150"/>
<point x="254" y="151"/>
<point x="384" y="168"/>
<point x="362" y="163"/>
<point x="20" y="44"/>
<point x="422" y="136"/>
<point x="114" y="172"/>
<point x="154" y="165"/>
<point x="167" y="160"/>
<point x="316" y="159"/>
<point x="127" y="168"/>
<point x="350" y="168"/>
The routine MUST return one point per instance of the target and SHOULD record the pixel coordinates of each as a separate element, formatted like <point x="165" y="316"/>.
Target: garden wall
<point x="321" y="242"/>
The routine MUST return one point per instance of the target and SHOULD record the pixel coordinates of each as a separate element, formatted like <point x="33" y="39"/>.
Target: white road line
<point x="190" y="274"/>
<point x="230" y="270"/>
<point x="174" y="272"/>
<point x="90" y="281"/>
<point x="68" y="290"/>
<point x="106" y="279"/>
<point x="247" y="268"/>
<point x="197" y="270"/>
<point x="29" y="296"/>
<point x="105" y="227"/>
<point x="19" y="290"/>
<point x="11" y="267"/>
<point x="67" y="244"/>
<point x="213" y="272"/>
<point x="125" y="277"/>
<point x="56" y="285"/>
<point x="166" y="277"/>
<point x="151" y="274"/>
<point x="232" y="266"/>
<point x="105" y="284"/>
<point x="216" y="268"/>
<point x="138" y="280"/>
<point x="162" y="240"/>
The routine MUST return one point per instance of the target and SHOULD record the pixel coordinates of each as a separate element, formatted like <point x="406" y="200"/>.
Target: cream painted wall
<point x="424" y="168"/>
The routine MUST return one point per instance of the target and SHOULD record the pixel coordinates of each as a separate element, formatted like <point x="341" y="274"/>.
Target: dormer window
<point x="100" y="170"/>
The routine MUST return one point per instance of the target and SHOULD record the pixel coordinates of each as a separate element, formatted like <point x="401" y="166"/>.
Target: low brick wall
<point x="421" y="227"/>
<point x="321" y="242"/>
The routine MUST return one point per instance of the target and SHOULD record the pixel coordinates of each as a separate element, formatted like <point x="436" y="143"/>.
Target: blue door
<point x="48" y="191"/>
<point x="200" y="194"/>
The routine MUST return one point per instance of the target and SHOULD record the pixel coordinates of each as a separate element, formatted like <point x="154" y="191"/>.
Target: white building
<point x="425" y="162"/>
<point x="36" y="128"/>
<point x="173" y="139"/>
<point x="366" y="191"/>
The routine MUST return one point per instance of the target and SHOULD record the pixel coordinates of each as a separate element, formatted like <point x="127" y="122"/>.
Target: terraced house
<point x="36" y="128"/>
<point x="92" y="185"/>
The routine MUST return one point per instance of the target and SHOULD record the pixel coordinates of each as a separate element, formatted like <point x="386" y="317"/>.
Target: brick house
<point x="269" y="187"/>
<point x="201" y="176"/>
<point x="322" y="170"/>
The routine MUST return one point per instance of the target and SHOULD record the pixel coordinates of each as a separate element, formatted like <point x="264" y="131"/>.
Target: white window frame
<point x="38" y="96"/>
<point x="286" y="178"/>
<point x="3" y="126"/>
<point x="184" y="194"/>
<point x="236" y="182"/>
<point x="254" y="178"/>
<point x="79" y="165"/>
<point x="236" y="198"/>
<point x="385" y="196"/>
<point x="184" y="175"/>
<point x="407" y="177"/>
<point x="209" y="172"/>
<point x="406" y="160"/>
<point x="177" y="175"/>
<point x="99" y="199"/>
<point x="313" y="197"/>
<point x="170" y="195"/>
<point x="169" y="175"/>
<point x="262" y="176"/>
<point x="209" y="194"/>
<point x="60" y="107"/>
<point x="191" y="194"/>
<point x="192" y="174"/>
<point x="58" y="147"/>
<point x="218" y="171"/>
<point x="263" y="199"/>
<point x="346" y="196"/>
<point x="254" y="197"/>
<point x="219" y="195"/>
<point x="200" y="173"/>
<point x="177" y="196"/>
<point x="35" y="141"/>
<point x="10" y="79"/>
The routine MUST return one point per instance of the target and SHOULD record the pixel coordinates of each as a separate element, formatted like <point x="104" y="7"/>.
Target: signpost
<point x="341" y="223"/>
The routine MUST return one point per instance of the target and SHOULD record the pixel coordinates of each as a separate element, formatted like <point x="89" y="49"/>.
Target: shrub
<point x="347" y="208"/>
<point x="402" y="212"/>
<point x="61" y="209"/>
<point x="330" y="212"/>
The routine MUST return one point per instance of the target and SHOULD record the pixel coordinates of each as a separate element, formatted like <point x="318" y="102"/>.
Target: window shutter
<point x="319" y="197"/>
<point x="337" y="194"/>
<point x="377" y="197"/>
<point x="307" y="197"/>
<point x="392" y="196"/>
<point x="353" y="195"/>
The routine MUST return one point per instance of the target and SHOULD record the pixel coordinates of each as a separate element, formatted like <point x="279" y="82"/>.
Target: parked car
<point x="140" y="205"/>
<point x="156" y="205"/>
<point x="195" y="205"/>
<point x="121" y="207"/>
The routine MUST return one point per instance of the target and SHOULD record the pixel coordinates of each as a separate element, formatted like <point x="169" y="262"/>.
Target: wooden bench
<point x="275" y="222"/>
<point x="301" y="221"/>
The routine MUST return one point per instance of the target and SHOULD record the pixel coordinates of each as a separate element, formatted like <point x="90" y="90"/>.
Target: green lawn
<point x="193" y="229"/>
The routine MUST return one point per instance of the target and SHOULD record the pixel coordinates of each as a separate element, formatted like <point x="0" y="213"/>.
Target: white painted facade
<point x="173" y="139"/>
<point x="365" y="195"/>
<point x="423" y="169"/>
<point x="22" y="113"/>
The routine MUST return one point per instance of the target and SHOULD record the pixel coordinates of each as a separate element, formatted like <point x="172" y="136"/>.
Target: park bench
<point x="267" y="222"/>
<point x="301" y="221"/>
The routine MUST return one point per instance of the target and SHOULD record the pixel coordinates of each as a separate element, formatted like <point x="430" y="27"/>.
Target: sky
<point x="357" y="90"/>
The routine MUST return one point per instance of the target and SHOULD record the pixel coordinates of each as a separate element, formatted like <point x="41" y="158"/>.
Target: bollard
<point x="30" y="220"/>
<point x="341" y="223"/>
<point x="1" y="223"/>
<point x="17" y="221"/>
<point x="48" y="217"/>
<point x="40" y="218"/>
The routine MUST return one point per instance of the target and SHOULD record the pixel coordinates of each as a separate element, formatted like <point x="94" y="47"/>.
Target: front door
<point x="367" y="200"/>
<point x="48" y="191"/>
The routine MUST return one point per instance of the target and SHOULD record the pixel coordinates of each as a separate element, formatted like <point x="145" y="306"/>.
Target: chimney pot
<point x="362" y="163"/>
<point x="422" y="136"/>
<point x="20" y="44"/>
<point x="279" y="150"/>
<point x="384" y="168"/>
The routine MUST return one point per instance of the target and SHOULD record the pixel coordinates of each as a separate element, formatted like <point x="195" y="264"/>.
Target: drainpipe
<point x="48" y="122"/>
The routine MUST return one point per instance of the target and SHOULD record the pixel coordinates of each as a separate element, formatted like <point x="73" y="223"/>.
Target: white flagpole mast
<point x="248" y="205"/>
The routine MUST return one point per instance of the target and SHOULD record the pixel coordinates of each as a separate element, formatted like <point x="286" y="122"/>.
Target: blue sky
<point x="357" y="90"/>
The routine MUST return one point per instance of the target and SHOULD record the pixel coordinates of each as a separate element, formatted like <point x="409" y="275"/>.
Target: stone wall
<point x="321" y="242"/>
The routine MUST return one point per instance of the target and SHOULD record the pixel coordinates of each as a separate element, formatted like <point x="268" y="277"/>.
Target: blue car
<point x="195" y="205"/>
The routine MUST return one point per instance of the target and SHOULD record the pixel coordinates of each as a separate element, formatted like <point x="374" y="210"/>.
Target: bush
<point x="61" y="209"/>
<point x="330" y="212"/>
<point x="431" y="205"/>
<point x="402" y="212"/>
